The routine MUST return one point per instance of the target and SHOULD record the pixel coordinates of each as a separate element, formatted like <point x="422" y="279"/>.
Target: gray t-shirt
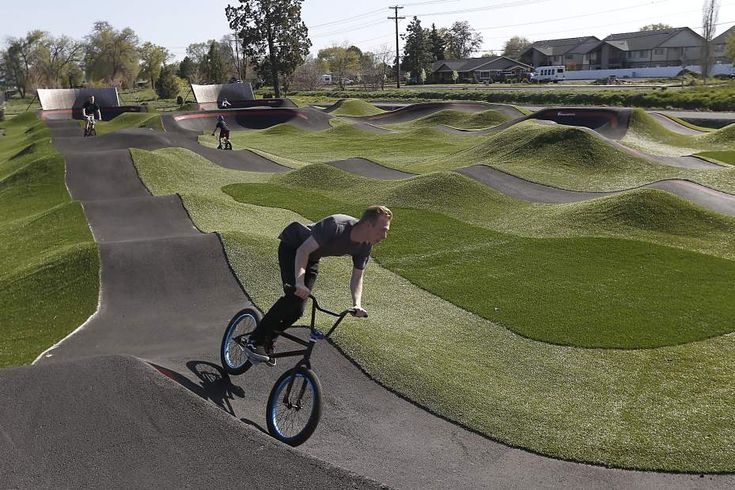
<point x="333" y="236"/>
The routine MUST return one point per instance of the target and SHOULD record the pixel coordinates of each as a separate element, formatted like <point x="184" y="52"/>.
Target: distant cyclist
<point x="225" y="103"/>
<point x="298" y="257"/>
<point x="90" y="109"/>
<point x="224" y="132"/>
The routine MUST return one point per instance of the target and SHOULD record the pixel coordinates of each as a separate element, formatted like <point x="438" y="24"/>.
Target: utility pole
<point x="398" y="58"/>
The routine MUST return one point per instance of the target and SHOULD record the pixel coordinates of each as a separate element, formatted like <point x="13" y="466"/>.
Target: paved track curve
<point x="166" y="294"/>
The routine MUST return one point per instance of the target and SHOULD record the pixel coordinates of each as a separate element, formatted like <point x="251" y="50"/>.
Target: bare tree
<point x="710" y="12"/>
<point x="57" y="59"/>
<point x="308" y="76"/>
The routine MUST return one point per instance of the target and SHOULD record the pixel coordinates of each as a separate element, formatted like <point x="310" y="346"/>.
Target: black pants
<point x="289" y="307"/>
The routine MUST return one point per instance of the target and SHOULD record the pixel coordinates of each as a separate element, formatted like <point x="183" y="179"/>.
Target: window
<point x="484" y="74"/>
<point x="658" y="51"/>
<point x="560" y="70"/>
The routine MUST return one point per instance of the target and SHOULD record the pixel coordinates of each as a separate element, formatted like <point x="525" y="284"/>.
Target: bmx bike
<point x="90" y="128"/>
<point x="295" y="401"/>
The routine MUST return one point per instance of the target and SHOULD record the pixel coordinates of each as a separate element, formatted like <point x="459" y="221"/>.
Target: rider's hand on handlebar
<point x="302" y="292"/>
<point x="358" y="312"/>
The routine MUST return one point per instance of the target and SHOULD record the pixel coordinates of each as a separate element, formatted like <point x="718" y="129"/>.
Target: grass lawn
<point x="666" y="408"/>
<point x="727" y="156"/>
<point x="648" y="135"/>
<point x="48" y="259"/>
<point x="455" y="119"/>
<point x="356" y="107"/>
<point x="344" y="140"/>
<point x="130" y="120"/>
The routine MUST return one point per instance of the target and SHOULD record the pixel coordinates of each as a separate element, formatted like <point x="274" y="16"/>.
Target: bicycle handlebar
<point x="351" y="311"/>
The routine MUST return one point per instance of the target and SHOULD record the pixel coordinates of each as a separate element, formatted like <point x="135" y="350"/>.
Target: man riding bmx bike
<point x="90" y="109"/>
<point x="224" y="134"/>
<point x="298" y="257"/>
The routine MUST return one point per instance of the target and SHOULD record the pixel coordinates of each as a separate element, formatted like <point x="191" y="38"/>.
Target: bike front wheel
<point x="233" y="352"/>
<point x="294" y="406"/>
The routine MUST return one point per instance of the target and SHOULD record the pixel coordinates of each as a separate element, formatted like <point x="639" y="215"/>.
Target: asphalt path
<point x="84" y="416"/>
<point x="526" y="190"/>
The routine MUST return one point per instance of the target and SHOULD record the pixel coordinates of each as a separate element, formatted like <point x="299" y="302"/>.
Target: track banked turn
<point x="166" y="294"/>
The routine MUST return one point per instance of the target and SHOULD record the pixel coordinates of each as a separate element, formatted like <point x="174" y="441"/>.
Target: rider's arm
<point x="302" y="258"/>
<point x="356" y="288"/>
<point x="84" y="110"/>
<point x="99" y="115"/>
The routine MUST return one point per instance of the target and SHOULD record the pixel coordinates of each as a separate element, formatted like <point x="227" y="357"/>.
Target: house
<point x="718" y="46"/>
<point x="679" y="46"/>
<point x="575" y="53"/>
<point x="475" y="69"/>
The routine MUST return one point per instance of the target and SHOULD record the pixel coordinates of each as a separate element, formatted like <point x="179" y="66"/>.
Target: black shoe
<point x="270" y="347"/>
<point x="256" y="353"/>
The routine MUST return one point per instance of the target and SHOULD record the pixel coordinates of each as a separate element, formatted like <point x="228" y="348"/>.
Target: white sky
<point x="178" y="23"/>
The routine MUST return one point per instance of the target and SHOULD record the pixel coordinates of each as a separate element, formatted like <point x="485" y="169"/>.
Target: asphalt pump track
<point x="91" y="412"/>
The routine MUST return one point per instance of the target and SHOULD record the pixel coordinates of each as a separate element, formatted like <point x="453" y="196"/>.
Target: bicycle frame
<point x="313" y="337"/>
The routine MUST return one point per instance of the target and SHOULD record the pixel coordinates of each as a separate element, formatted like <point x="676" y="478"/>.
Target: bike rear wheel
<point x="232" y="352"/>
<point x="294" y="406"/>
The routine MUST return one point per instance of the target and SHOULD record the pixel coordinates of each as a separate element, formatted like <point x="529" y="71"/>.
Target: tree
<point x="153" y="57"/>
<point x="188" y="70"/>
<point x="57" y="61"/>
<point x="656" y="27"/>
<point x="462" y="40"/>
<point x="20" y="57"/>
<point x="340" y="61"/>
<point x="112" y="55"/>
<point x="416" y="50"/>
<point x="455" y="76"/>
<point x="213" y="66"/>
<point x="730" y="48"/>
<point x="710" y="12"/>
<point x="514" y="46"/>
<point x="309" y="75"/>
<point x="438" y="45"/>
<point x="273" y="36"/>
<point x="167" y="85"/>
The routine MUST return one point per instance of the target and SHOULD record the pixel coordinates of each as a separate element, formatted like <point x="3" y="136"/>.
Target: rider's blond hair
<point x="373" y="213"/>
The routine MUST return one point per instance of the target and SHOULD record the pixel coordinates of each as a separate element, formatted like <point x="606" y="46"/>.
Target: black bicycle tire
<point x="235" y="370"/>
<point x="316" y="411"/>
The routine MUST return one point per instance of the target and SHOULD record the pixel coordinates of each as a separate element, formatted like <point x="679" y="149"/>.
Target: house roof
<point x="557" y="47"/>
<point x="473" y="64"/>
<point x="643" y="40"/>
<point x="723" y="37"/>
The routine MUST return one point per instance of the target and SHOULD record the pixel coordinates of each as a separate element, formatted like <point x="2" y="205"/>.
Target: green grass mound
<point x="647" y="134"/>
<point x="562" y="156"/>
<point x="668" y="408"/>
<point x="129" y="120"/>
<point x="719" y="157"/>
<point x="651" y="210"/>
<point x="356" y="107"/>
<point x="459" y="119"/>
<point x="552" y="289"/>
<point x="48" y="259"/>
<point x="344" y="140"/>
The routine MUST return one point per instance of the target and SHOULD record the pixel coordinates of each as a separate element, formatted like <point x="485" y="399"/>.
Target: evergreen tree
<point x="438" y="45"/>
<point x="273" y="36"/>
<point x="417" y="48"/>
<point x="167" y="85"/>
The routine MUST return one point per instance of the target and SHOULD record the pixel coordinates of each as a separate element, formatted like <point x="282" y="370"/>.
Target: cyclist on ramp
<point x="224" y="134"/>
<point x="90" y="109"/>
<point x="299" y="253"/>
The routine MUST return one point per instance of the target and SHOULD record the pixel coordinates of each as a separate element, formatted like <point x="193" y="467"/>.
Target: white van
<point x="544" y="74"/>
